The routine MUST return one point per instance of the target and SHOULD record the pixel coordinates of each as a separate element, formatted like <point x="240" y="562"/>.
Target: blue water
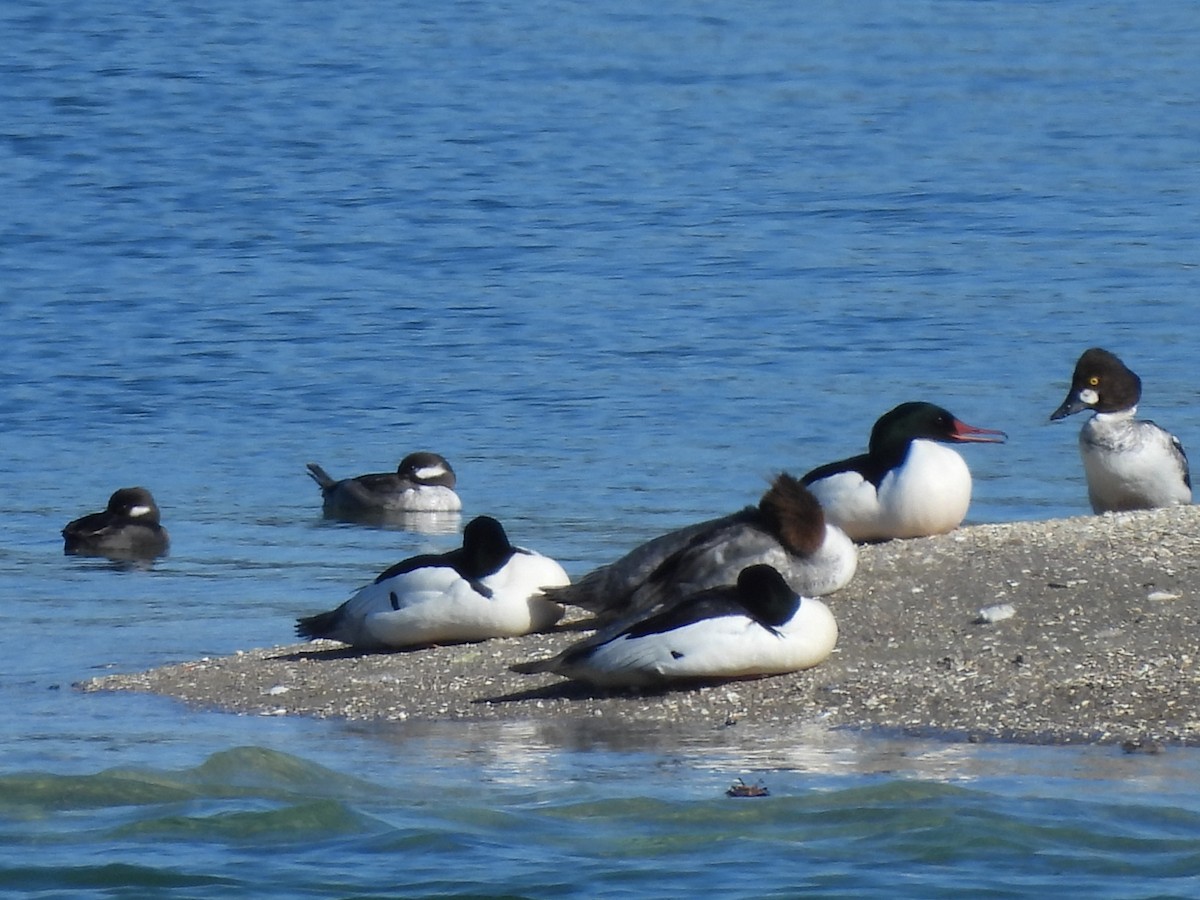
<point x="619" y="263"/>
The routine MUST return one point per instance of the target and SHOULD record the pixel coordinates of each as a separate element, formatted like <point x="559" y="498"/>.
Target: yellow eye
<point x="1094" y="380"/>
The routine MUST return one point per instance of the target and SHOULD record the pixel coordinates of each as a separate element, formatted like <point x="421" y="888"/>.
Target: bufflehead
<point x="486" y="588"/>
<point x="423" y="482"/>
<point x="758" y="627"/>
<point x="906" y="485"/>
<point x="1129" y="463"/>
<point x="128" y="528"/>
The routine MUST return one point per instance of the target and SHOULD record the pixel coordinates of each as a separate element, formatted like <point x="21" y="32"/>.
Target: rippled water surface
<point x="619" y="263"/>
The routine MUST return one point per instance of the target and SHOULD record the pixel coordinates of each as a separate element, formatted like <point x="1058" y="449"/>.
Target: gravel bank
<point x="1100" y="646"/>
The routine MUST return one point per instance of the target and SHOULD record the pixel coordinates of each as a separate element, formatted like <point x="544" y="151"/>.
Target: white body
<point x="352" y="496"/>
<point x="927" y="494"/>
<point x="1131" y="464"/>
<point x="436" y="605"/>
<point x="717" y="648"/>
<point x="434" y="498"/>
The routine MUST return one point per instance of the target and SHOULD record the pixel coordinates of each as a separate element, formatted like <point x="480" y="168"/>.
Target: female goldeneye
<point x="1129" y="463"/>
<point x="787" y="530"/>
<point x="128" y="528"/>
<point x="758" y="627"/>
<point x="486" y="588"/>
<point x="423" y="482"/>
<point x="905" y="485"/>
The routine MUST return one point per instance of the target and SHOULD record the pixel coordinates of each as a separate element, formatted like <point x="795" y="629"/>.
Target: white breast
<point x="1131" y="464"/>
<point x="928" y="494"/>
<point x="425" y="498"/>
<point x="436" y="605"/>
<point x="724" y="647"/>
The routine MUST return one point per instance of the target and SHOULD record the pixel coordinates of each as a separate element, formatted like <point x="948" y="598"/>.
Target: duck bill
<point x="969" y="434"/>
<point x="1069" y="406"/>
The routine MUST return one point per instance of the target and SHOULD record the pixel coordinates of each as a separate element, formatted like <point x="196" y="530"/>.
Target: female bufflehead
<point x="1129" y="463"/>
<point x="423" y="482"/>
<point x="486" y="588"/>
<point x="127" y="529"/>
<point x="787" y="530"/>
<point x="758" y="627"/>
<point x="905" y="485"/>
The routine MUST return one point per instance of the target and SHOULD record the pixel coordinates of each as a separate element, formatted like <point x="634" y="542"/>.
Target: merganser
<point x="423" y="482"/>
<point x="1129" y="463"/>
<point x="905" y="485"/>
<point x="787" y="530"/>
<point x="758" y="627"/>
<point x="486" y="588"/>
<point x="128" y="528"/>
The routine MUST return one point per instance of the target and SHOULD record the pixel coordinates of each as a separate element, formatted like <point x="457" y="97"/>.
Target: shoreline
<point x="1100" y="648"/>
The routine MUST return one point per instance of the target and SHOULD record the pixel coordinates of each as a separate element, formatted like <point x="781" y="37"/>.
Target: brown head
<point x="794" y="515"/>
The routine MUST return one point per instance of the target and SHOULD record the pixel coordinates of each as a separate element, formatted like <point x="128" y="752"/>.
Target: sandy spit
<point x="1080" y="630"/>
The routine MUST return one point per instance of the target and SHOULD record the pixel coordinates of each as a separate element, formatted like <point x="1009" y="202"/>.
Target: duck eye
<point x="1094" y="380"/>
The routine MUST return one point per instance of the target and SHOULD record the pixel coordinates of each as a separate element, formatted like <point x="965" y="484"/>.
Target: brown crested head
<point x="794" y="515"/>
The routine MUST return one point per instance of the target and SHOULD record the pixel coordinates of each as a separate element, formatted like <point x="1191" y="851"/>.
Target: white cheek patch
<point x="430" y="472"/>
<point x="1088" y="396"/>
<point x="138" y="511"/>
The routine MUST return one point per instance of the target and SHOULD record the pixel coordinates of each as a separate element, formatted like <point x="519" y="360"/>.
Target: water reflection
<point x="404" y="520"/>
<point x="546" y="754"/>
<point x="422" y="522"/>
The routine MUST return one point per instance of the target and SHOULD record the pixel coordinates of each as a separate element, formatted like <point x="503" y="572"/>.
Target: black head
<point x="485" y="547"/>
<point x="766" y="595"/>
<point x="135" y="504"/>
<point x="912" y="421"/>
<point x="1102" y="383"/>
<point x="424" y="467"/>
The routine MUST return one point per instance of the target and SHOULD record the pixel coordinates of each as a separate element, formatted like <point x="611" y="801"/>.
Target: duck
<point x="907" y="484"/>
<point x="1129" y="463"/>
<point x="756" y="627"/>
<point x="423" y="482"/>
<point x="787" y="530"/>
<point x="128" y="528"/>
<point x="484" y="589"/>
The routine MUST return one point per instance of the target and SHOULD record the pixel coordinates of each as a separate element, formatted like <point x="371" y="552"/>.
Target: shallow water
<point x="569" y="809"/>
<point x="619" y="265"/>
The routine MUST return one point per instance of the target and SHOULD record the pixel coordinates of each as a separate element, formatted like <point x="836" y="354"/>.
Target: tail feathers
<point x="534" y="666"/>
<point x="557" y="594"/>
<point x="320" y="476"/>
<point x="322" y="625"/>
<point x="587" y="593"/>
